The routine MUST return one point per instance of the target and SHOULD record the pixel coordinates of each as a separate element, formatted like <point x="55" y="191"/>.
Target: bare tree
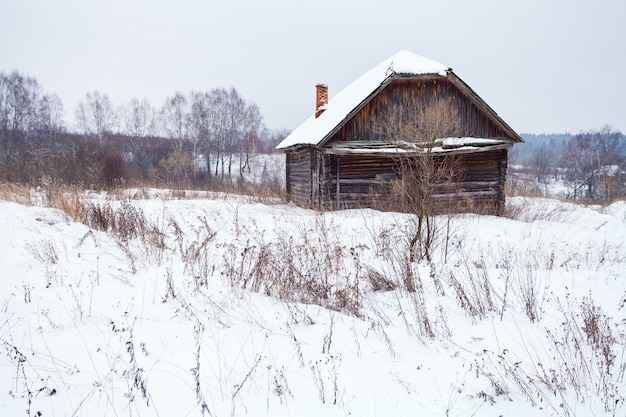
<point x="593" y="164"/>
<point x="252" y="125"/>
<point x="138" y="118"/>
<point x="96" y="117"/>
<point x="50" y="119"/>
<point x="48" y="129"/>
<point x="19" y="98"/>
<point x="417" y="130"/>
<point x="542" y="164"/>
<point x="232" y="109"/>
<point x="231" y="122"/>
<point x="139" y="123"/>
<point x="199" y="128"/>
<point x="174" y="120"/>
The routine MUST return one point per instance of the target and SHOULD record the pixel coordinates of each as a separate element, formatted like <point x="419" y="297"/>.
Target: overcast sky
<point x="542" y="65"/>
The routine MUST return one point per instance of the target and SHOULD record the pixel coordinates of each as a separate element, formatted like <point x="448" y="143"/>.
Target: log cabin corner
<point x="341" y="158"/>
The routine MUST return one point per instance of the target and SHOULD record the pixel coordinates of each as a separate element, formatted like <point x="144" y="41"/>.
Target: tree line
<point x="207" y="139"/>
<point x="201" y="138"/>
<point x="588" y="166"/>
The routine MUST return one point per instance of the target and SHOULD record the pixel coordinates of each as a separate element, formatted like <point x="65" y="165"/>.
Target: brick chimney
<point x="321" y="99"/>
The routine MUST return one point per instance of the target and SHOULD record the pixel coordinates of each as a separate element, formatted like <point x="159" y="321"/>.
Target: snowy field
<point x="221" y="305"/>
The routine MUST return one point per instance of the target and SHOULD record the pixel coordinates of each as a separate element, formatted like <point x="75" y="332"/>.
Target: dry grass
<point x="530" y="210"/>
<point x="317" y="267"/>
<point x="584" y="356"/>
<point x="16" y="193"/>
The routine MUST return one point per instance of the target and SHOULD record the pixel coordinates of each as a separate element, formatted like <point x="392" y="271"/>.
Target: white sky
<point x="543" y="65"/>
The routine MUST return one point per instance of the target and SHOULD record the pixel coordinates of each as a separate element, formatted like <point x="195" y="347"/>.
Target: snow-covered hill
<point x="223" y="306"/>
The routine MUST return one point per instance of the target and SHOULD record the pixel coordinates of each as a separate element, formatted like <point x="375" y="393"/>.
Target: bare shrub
<point x="581" y="356"/>
<point x="44" y="251"/>
<point x="506" y="265"/>
<point x="170" y="292"/>
<point x="408" y="289"/>
<point x="198" y="334"/>
<point x="125" y="223"/>
<point x="309" y="270"/>
<point x="585" y="352"/>
<point x="136" y="372"/>
<point x="422" y="319"/>
<point x="129" y="222"/>
<point x="196" y="251"/>
<point x="22" y="382"/>
<point x="522" y="280"/>
<point x="114" y="169"/>
<point x="98" y="217"/>
<point x="378" y="281"/>
<point x="531" y="290"/>
<point x="597" y="328"/>
<point x="441" y="327"/>
<point x="473" y="289"/>
<point x="508" y="375"/>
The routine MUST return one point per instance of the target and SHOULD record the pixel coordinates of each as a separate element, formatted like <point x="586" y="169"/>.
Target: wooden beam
<point x="338" y="190"/>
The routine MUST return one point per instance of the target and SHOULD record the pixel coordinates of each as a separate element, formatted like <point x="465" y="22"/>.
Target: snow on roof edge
<point x="314" y="130"/>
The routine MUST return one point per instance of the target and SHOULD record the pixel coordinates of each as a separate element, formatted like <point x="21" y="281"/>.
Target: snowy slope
<point x="225" y="306"/>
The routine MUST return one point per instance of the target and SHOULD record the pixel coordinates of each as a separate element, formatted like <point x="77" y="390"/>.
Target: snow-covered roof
<point x="314" y="130"/>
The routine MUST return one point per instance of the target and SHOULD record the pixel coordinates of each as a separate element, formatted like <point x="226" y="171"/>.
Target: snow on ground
<point x="226" y="306"/>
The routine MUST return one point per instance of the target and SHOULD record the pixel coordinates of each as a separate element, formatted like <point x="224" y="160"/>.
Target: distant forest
<point x="554" y="143"/>
<point x="588" y="166"/>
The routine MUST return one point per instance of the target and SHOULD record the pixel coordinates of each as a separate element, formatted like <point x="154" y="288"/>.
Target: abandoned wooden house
<point x="360" y="148"/>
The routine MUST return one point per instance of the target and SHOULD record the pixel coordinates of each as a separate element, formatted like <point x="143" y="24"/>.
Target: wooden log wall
<point x="326" y="183"/>
<point x="352" y="178"/>
<point x="354" y="181"/>
<point x="405" y="92"/>
<point x="299" y="176"/>
<point x="479" y="186"/>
